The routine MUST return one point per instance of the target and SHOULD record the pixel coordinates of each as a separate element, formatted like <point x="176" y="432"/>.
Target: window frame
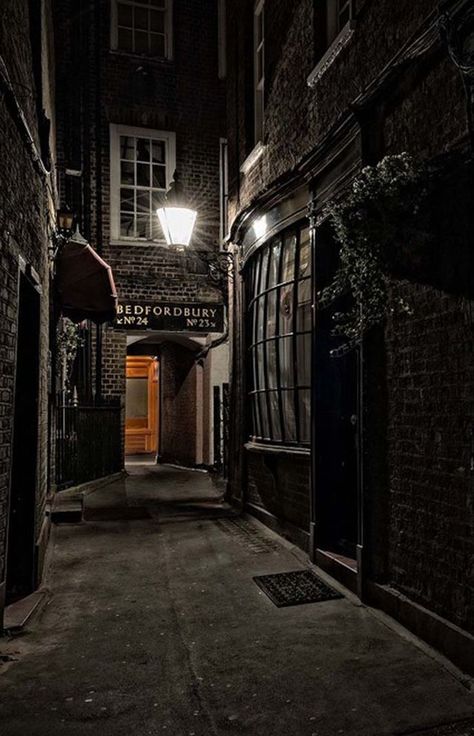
<point x="285" y="342"/>
<point x="333" y="17"/>
<point x="168" y="29"/>
<point x="116" y="131"/>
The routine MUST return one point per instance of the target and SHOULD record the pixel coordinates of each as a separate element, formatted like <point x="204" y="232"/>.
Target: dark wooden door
<point x="336" y="424"/>
<point x="22" y="501"/>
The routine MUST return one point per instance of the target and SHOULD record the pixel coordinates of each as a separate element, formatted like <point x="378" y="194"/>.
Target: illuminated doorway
<point x="142" y="406"/>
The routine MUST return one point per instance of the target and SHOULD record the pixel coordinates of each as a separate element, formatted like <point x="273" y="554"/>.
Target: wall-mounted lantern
<point x="176" y="219"/>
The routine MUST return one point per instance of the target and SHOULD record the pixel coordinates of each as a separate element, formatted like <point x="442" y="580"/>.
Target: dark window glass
<point x="278" y="288"/>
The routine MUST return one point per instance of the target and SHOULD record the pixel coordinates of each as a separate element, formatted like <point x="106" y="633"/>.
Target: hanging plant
<point x="372" y="226"/>
<point x="69" y="341"/>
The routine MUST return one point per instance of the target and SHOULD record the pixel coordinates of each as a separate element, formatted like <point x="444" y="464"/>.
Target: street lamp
<point x="65" y="220"/>
<point x="177" y="220"/>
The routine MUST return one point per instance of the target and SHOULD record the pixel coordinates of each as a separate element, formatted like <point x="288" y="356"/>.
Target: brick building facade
<point x="380" y="491"/>
<point x="143" y="90"/>
<point x="27" y="214"/>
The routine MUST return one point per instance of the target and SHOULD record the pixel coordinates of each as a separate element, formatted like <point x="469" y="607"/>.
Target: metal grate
<point x="295" y="588"/>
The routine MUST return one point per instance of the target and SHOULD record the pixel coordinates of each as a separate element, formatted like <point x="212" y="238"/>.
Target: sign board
<point x="170" y="317"/>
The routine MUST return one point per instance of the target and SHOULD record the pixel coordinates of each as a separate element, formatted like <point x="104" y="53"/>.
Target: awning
<point x="85" y="284"/>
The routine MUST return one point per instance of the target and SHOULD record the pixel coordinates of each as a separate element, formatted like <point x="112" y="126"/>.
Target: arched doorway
<point x="164" y="400"/>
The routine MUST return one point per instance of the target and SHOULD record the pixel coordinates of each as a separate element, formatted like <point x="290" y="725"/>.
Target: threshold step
<point x="67" y="511"/>
<point x="17" y="614"/>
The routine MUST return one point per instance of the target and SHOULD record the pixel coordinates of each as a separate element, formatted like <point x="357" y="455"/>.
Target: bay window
<point x="278" y="280"/>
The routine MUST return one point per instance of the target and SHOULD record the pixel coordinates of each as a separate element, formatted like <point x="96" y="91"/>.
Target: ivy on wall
<point x="372" y="226"/>
<point x="68" y="341"/>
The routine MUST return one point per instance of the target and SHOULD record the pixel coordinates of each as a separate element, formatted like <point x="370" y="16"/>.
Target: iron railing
<point x="88" y="443"/>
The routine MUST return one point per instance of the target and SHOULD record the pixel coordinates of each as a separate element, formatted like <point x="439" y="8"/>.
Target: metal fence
<point x="88" y="443"/>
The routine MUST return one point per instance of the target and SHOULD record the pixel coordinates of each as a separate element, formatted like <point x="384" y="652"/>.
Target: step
<point x="67" y="510"/>
<point x="17" y="614"/>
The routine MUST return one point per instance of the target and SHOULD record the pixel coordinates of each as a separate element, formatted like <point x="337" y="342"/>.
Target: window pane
<point x="260" y="367"/>
<point x="141" y="19"/>
<point x="125" y="39"/>
<point x="141" y="42"/>
<point x="304" y="398"/>
<point x="127" y="173"/>
<point x="157" y="21"/>
<point x="303" y="351"/>
<point x="274" y="263"/>
<point x="272" y="363"/>
<point x="289" y="416"/>
<point x="259" y="305"/>
<point x="127" y="147"/>
<point x="263" y="270"/>
<point x="288" y="265"/>
<point x="305" y="254"/>
<point x="127" y="200"/>
<point x="264" y="416"/>
<point x="157" y="200"/>
<point x="157" y="44"/>
<point x="143" y="175"/>
<point x="286" y="309"/>
<point x="143" y="149"/>
<point x="275" y="415"/>
<point x="159" y="177"/>
<point x="303" y="319"/>
<point x="286" y="362"/>
<point x="272" y="313"/>
<point x="126" y="225"/>
<point x="142" y="226"/>
<point x="158" y="152"/>
<point x="256" y="417"/>
<point x="143" y="202"/>
<point x="124" y="15"/>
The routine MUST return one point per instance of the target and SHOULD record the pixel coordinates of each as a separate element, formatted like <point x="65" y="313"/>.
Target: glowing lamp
<point x="177" y="221"/>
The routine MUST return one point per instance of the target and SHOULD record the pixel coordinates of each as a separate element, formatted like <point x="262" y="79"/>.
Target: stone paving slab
<point x="158" y="628"/>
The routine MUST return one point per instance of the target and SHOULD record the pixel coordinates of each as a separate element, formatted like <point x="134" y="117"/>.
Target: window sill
<point x="260" y="447"/>
<point x="252" y="158"/>
<point x="165" y="60"/>
<point x="145" y="244"/>
<point x="339" y="43"/>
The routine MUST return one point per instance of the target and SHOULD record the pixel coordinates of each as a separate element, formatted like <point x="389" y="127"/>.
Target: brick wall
<point x="418" y="375"/>
<point x="24" y="233"/>
<point x="182" y="95"/>
<point x="178" y="405"/>
<point x="431" y="401"/>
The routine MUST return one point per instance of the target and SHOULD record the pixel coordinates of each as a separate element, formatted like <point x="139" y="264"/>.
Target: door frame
<point x="153" y="403"/>
<point x="29" y="274"/>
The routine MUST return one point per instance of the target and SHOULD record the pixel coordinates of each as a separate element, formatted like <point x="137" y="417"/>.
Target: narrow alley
<point x="153" y="625"/>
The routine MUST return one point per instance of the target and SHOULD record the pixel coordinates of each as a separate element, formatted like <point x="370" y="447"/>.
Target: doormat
<point x="295" y="588"/>
<point x="117" y="513"/>
<point x="460" y="728"/>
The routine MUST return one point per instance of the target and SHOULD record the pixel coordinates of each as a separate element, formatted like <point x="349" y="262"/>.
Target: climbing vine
<point x="372" y="226"/>
<point x="69" y="341"/>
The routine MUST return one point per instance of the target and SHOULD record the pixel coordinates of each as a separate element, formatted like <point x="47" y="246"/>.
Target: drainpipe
<point x="314" y="368"/>
<point x="98" y="184"/>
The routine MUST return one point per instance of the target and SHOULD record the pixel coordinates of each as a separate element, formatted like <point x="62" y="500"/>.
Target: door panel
<point x="141" y="413"/>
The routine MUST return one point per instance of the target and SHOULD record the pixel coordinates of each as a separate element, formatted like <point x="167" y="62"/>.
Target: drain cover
<point x="295" y="588"/>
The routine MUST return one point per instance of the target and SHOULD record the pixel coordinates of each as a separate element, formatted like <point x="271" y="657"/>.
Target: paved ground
<point x="155" y="626"/>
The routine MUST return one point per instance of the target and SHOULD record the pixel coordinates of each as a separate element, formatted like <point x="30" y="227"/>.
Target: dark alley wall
<point x="418" y="410"/>
<point x="27" y="202"/>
